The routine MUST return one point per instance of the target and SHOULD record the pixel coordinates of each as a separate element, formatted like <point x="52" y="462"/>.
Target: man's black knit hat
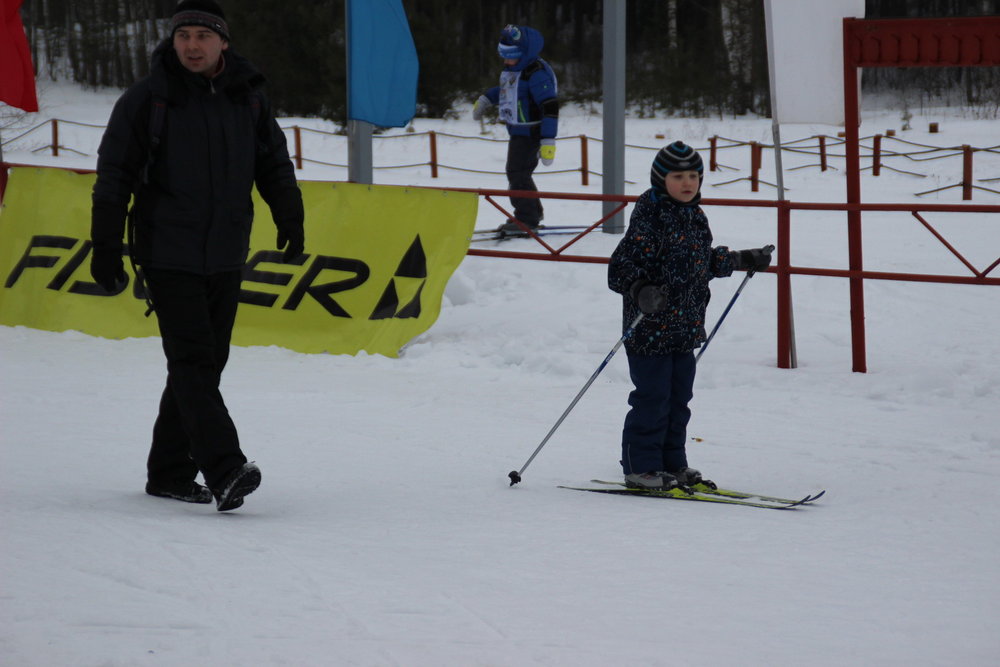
<point x="206" y="13"/>
<point x="678" y="156"/>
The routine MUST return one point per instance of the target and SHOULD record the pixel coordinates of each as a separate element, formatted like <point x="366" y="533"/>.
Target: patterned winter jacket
<point x="671" y="245"/>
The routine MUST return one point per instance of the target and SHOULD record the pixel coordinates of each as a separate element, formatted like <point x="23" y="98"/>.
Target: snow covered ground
<point x="385" y="532"/>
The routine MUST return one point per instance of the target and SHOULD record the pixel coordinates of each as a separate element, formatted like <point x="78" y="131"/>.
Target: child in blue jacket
<point x="529" y="106"/>
<point x="661" y="268"/>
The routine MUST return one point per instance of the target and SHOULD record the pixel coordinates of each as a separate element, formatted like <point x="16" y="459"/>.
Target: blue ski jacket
<point x="536" y="86"/>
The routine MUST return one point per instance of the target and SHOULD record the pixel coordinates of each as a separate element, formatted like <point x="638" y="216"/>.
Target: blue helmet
<point x="511" y="46"/>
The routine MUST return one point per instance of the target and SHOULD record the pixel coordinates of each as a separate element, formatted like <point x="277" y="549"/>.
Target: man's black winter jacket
<point x="193" y="211"/>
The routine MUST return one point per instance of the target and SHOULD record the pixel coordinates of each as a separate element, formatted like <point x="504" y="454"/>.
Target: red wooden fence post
<point x="584" y="165"/>
<point x="877" y="155"/>
<point x="852" y="165"/>
<point x="784" y="287"/>
<point x="434" y="154"/>
<point x="754" y="166"/>
<point x="966" y="172"/>
<point x="55" y="137"/>
<point x="713" y="164"/>
<point x="822" y="152"/>
<point x="298" y="146"/>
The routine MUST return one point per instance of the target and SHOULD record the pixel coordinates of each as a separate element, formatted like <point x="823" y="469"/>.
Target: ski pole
<point x="750" y="273"/>
<point x="515" y="475"/>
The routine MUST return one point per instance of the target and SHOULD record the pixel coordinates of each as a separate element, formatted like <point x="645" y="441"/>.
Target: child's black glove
<point x="651" y="298"/>
<point x="757" y="259"/>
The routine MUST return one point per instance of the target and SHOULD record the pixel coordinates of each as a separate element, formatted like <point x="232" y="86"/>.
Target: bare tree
<point x="684" y="56"/>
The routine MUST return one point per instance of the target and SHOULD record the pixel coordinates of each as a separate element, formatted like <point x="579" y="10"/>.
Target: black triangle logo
<point x="414" y="262"/>
<point x="386" y="307"/>
<point x="412" y="309"/>
<point x="413" y="265"/>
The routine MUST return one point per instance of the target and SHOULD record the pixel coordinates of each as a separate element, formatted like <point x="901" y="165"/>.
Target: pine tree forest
<point x="684" y="57"/>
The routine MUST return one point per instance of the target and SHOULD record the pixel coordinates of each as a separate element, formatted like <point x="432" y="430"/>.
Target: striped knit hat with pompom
<point x="678" y="156"/>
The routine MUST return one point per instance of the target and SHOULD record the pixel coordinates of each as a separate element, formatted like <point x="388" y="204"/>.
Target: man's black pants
<point x="193" y="430"/>
<point x="522" y="158"/>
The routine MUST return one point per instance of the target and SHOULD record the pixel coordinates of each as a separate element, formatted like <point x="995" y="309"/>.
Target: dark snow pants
<point x="655" y="431"/>
<point x="522" y="158"/>
<point x="193" y="430"/>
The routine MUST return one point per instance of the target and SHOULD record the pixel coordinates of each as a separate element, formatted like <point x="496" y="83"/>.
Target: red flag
<point x="17" y="76"/>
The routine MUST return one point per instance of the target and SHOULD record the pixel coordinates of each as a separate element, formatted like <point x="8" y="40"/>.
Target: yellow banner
<point x="377" y="261"/>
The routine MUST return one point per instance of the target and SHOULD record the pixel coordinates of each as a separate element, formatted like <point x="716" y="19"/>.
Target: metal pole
<point x="614" y="111"/>
<point x="852" y="119"/>
<point x="359" y="132"/>
<point x="359" y="151"/>
<point x="779" y="171"/>
<point x="780" y="179"/>
<point x="786" y="327"/>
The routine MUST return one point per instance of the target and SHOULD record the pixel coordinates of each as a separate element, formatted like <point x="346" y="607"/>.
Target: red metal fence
<point x="947" y="42"/>
<point x="880" y="149"/>
<point x="783" y="266"/>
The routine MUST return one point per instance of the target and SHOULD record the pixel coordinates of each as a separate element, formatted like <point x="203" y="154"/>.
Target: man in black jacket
<point x="190" y="141"/>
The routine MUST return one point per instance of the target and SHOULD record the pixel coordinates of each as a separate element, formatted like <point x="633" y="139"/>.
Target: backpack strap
<point x="157" y="119"/>
<point x="535" y="109"/>
<point x="140" y="279"/>
<point x="531" y="69"/>
<point x="255" y="107"/>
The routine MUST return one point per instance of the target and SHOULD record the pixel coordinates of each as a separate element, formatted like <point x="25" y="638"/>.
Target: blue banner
<point x="383" y="66"/>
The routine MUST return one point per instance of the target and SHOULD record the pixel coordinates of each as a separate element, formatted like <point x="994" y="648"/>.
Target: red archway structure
<point x="958" y="42"/>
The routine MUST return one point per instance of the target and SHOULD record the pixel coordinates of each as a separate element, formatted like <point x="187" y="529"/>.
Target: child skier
<point x="529" y="107"/>
<point x="662" y="267"/>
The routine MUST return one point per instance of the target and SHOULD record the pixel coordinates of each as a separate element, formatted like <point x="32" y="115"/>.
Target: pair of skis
<point x="701" y="493"/>
<point x="481" y="235"/>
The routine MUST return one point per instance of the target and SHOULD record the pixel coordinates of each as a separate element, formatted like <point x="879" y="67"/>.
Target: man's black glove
<point x="107" y="268"/>
<point x="651" y="298"/>
<point x="292" y="234"/>
<point x="756" y="259"/>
